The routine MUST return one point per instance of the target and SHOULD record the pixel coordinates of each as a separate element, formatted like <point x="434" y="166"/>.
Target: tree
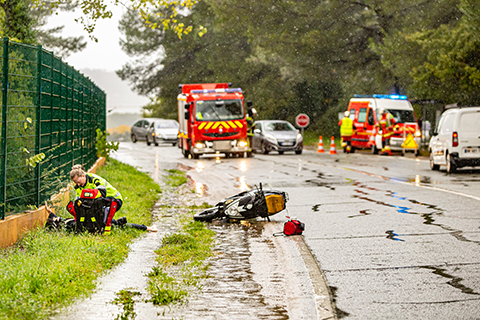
<point x="161" y="14"/>
<point x="16" y="21"/>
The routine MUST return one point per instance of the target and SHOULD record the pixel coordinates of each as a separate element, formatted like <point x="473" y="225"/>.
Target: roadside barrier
<point x="320" y="145"/>
<point x="332" y="146"/>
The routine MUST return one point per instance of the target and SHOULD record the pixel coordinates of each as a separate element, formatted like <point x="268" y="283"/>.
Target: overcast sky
<point x="100" y="59"/>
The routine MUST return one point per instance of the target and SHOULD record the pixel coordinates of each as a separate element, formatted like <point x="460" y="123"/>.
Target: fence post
<point x="4" y="128"/>
<point x="38" y="124"/>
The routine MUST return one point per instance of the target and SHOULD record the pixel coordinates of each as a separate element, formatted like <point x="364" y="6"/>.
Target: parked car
<point x="276" y="135"/>
<point x="139" y="130"/>
<point x="162" y="130"/>
<point x="456" y="140"/>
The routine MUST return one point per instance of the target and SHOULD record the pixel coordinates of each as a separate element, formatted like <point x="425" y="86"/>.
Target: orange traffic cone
<point x="371" y="141"/>
<point x="320" y="145"/>
<point x="332" y="146"/>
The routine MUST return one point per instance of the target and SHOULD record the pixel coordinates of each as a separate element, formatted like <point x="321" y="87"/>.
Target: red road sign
<point x="302" y="120"/>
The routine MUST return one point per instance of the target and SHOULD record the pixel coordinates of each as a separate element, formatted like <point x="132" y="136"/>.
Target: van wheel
<point x="451" y="167"/>
<point x="374" y="149"/>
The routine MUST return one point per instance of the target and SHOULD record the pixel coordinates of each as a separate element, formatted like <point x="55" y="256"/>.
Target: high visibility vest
<point x="346" y="129"/>
<point x="93" y="181"/>
<point x="386" y="123"/>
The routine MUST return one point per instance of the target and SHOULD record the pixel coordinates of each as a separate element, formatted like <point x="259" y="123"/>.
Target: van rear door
<point x="469" y="133"/>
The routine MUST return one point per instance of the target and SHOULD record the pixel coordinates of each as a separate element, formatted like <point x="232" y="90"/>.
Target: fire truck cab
<point x="212" y="120"/>
<point x="364" y="111"/>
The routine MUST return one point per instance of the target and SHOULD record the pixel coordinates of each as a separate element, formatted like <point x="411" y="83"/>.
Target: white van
<point x="456" y="141"/>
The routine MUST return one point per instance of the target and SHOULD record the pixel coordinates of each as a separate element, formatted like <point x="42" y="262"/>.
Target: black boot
<point x="122" y="221"/>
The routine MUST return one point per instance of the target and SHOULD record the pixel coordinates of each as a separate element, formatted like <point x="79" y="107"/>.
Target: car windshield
<point x="166" y="125"/>
<point x="279" y="126"/>
<point x="401" y="116"/>
<point x="212" y="110"/>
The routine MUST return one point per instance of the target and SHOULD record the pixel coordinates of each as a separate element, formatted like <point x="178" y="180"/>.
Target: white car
<point x="456" y="141"/>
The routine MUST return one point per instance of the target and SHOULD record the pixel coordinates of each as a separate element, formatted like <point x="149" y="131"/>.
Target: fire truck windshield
<point x="213" y="110"/>
<point x="401" y="116"/>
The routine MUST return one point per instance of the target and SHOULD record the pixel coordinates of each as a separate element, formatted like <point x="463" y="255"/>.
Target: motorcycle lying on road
<point x="246" y="205"/>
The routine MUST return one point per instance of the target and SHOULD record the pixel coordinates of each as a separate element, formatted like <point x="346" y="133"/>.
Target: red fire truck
<point x="212" y="120"/>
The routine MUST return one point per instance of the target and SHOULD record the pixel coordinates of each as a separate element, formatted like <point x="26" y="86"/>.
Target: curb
<point x="294" y="251"/>
<point x="324" y="303"/>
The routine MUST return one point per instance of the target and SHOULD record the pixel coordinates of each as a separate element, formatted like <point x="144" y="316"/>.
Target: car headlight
<point x="299" y="137"/>
<point x="270" y="137"/>
<point x="418" y="133"/>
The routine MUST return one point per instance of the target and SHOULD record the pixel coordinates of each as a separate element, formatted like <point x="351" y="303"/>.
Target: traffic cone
<point x="320" y="145"/>
<point x="332" y="146"/>
<point x="371" y="141"/>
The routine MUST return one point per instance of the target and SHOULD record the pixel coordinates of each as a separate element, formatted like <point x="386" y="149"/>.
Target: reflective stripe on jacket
<point x="346" y="128"/>
<point x="94" y="181"/>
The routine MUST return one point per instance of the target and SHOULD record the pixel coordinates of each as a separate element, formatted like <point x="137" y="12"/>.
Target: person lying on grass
<point x="55" y="222"/>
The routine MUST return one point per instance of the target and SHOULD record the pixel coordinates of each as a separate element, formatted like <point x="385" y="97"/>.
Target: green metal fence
<point x="50" y="113"/>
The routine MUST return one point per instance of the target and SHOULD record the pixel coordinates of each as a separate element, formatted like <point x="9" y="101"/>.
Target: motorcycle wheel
<point x="207" y="215"/>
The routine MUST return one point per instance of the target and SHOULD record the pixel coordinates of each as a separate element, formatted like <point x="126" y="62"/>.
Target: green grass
<point x="181" y="263"/>
<point x="47" y="270"/>
<point x="176" y="178"/>
<point x="182" y="256"/>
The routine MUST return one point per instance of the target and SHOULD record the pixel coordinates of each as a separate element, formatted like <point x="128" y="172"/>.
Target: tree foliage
<point x="311" y="56"/>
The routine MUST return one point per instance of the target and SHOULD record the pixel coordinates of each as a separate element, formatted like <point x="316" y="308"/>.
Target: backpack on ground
<point x="291" y="227"/>
<point x="88" y="211"/>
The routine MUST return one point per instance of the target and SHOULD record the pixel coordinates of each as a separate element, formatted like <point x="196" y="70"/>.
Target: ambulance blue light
<point x="381" y="96"/>
<point x="229" y="90"/>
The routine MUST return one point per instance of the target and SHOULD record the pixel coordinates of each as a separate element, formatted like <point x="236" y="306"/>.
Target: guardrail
<point x="50" y="113"/>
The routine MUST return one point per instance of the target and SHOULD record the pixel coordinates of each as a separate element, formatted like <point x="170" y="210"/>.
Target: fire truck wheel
<point x="194" y="155"/>
<point x="185" y="153"/>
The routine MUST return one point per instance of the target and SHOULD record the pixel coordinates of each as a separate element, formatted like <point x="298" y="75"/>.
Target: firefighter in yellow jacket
<point x="85" y="180"/>
<point x="386" y="124"/>
<point x="346" y="131"/>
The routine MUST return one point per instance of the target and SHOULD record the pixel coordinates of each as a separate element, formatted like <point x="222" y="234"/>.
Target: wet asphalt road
<point x="393" y="238"/>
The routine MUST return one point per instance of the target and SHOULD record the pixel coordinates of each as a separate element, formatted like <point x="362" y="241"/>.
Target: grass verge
<point x="47" y="270"/>
<point x="181" y="257"/>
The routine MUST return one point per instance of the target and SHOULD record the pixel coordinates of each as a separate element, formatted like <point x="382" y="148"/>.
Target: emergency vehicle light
<point x="229" y="90"/>
<point x="381" y="96"/>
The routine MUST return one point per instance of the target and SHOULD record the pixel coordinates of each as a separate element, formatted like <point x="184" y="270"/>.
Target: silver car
<point x="139" y="130"/>
<point x="276" y="135"/>
<point x="162" y="130"/>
